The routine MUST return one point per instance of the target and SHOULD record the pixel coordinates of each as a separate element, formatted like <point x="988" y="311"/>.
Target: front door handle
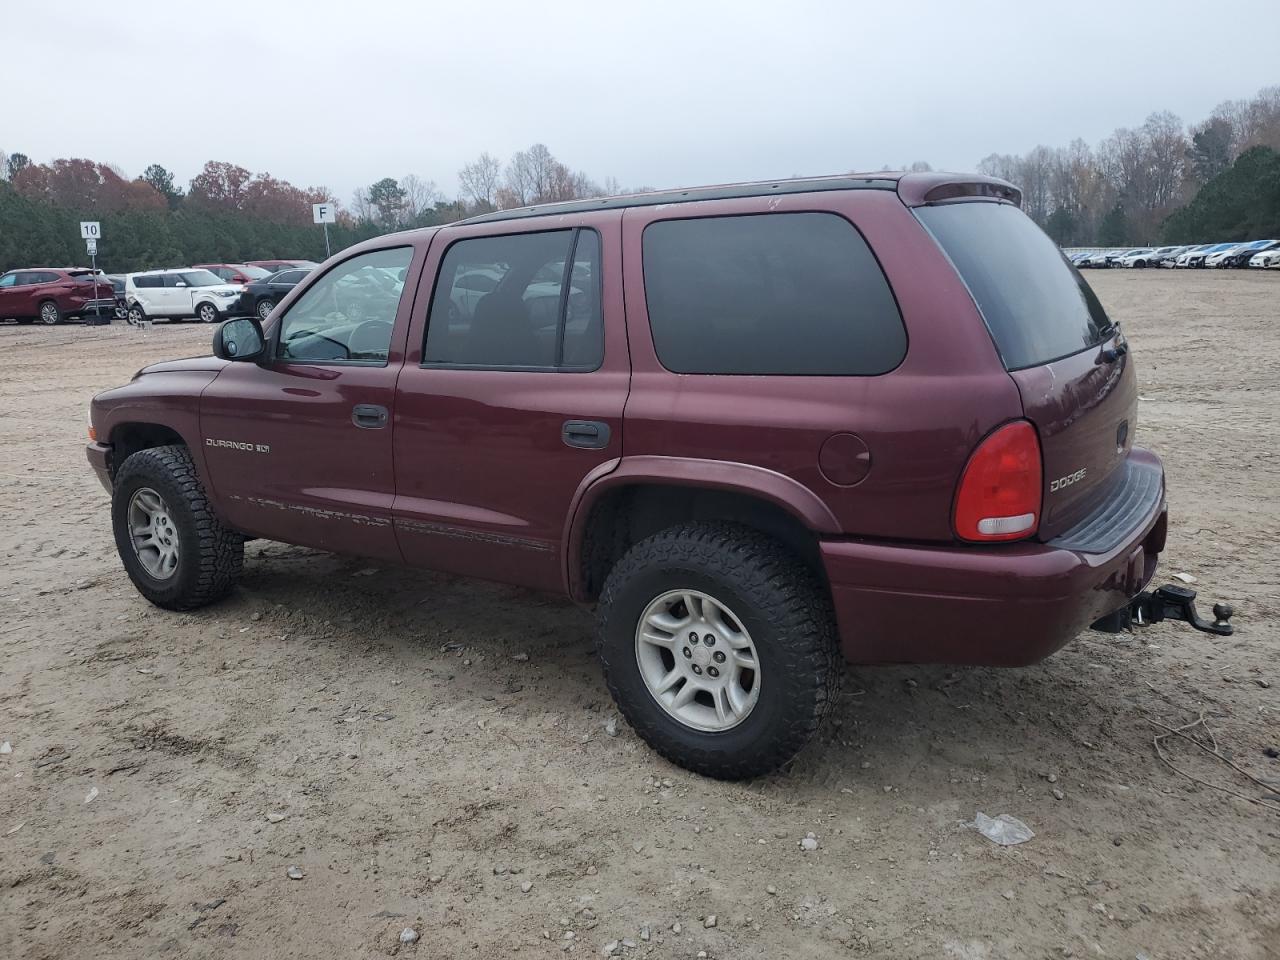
<point x="588" y="434"/>
<point x="370" y="416"/>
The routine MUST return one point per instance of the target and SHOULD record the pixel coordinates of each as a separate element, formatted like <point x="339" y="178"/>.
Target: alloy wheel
<point x="698" y="660"/>
<point x="153" y="533"/>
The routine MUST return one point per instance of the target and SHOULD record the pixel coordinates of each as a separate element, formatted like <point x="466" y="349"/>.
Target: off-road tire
<point x="210" y="556"/>
<point x="783" y="606"/>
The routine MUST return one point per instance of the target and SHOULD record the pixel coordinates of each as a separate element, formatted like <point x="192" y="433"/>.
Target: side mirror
<point x="179" y="284"/>
<point x="240" y="339"/>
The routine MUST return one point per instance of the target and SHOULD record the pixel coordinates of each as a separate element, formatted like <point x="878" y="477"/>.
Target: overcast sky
<point x="655" y="93"/>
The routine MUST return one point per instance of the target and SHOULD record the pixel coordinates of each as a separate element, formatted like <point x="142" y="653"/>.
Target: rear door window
<point x="1036" y="305"/>
<point x="784" y="294"/>
<point x="503" y="302"/>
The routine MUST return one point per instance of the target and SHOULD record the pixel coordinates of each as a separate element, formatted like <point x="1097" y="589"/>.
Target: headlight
<point x="228" y="293"/>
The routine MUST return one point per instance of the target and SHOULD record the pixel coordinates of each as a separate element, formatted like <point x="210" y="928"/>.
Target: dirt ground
<point x="373" y="728"/>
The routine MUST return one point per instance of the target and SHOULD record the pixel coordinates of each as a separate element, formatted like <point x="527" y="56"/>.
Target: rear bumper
<point x="993" y="606"/>
<point x="99" y="455"/>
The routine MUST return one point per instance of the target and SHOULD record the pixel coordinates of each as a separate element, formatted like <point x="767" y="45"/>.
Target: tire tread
<point x="220" y="550"/>
<point x="806" y="658"/>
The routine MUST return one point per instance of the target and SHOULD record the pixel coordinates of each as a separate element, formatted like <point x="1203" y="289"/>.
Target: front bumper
<point x="992" y="606"/>
<point x="99" y="455"/>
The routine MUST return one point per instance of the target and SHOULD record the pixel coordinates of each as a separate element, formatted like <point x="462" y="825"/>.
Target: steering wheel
<point x="369" y="340"/>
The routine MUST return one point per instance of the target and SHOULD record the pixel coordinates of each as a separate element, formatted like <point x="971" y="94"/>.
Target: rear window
<point x="1037" y="305"/>
<point x="782" y="294"/>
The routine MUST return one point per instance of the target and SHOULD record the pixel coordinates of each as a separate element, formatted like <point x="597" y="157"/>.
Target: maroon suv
<point x="54" y="294"/>
<point x="755" y="425"/>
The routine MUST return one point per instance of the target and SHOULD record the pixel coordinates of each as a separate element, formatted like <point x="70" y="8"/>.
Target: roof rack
<point x="726" y="192"/>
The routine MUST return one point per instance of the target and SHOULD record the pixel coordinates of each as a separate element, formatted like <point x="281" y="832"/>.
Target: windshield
<point x="254" y="273"/>
<point x="1037" y="306"/>
<point x="201" y="278"/>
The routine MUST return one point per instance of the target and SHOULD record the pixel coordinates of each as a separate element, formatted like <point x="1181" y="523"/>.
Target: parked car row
<point x="1264" y="254"/>
<point x="207" y="292"/>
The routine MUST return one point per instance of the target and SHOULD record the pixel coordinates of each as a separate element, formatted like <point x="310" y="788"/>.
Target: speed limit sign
<point x="90" y="230"/>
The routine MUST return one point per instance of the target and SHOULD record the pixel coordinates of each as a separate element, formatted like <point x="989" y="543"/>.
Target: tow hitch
<point x="1169" y="602"/>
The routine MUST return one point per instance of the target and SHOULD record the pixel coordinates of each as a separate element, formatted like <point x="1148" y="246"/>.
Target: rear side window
<point x="784" y="294"/>
<point x="1036" y="305"/>
<point x="151" y="281"/>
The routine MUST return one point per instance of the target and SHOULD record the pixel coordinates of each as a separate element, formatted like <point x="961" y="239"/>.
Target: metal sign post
<point x="91" y="231"/>
<point x="324" y="213"/>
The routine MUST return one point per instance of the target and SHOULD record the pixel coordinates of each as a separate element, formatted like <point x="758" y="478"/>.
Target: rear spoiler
<point x="919" y="189"/>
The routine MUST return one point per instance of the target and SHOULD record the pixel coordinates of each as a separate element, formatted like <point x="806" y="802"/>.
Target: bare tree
<point x="479" y="181"/>
<point x="420" y="197"/>
<point x="1002" y="165"/>
<point x="361" y="207"/>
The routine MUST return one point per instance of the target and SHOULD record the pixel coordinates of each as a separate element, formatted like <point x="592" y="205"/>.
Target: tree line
<point x="1218" y="180"/>
<point x="1136" y="186"/>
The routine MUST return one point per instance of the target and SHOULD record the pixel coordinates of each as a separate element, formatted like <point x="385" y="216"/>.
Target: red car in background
<point x="275" y="266"/>
<point x="235" y="272"/>
<point x="54" y="294"/>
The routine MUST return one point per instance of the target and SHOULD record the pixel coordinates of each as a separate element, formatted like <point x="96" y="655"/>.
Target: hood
<point x="189" y="365"/>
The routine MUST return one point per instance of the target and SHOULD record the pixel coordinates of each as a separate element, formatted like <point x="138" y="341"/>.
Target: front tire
<point x="760" y="606"/>
<point x="207" y="313"/>
<point x="173" y="546"/>
<point x="50" y="315"/>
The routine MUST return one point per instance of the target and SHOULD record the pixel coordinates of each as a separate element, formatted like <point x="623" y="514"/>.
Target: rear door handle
<point x="587" y="434"/>
<point x="370" y="416"/>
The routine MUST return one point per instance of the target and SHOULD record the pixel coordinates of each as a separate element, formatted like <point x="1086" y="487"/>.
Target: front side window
<point x="528" y="300"/>
<point x="201" y="278"/>
<point x="349" y="313"/>
<point x="795" y="294"/>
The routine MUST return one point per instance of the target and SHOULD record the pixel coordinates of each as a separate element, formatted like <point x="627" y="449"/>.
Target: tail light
<point x="1000" y="491"/>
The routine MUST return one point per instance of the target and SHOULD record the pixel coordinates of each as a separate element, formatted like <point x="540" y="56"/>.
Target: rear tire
<point x="769" y="597"/>
<point x="135" y="314"/>
<point x="209" y="557"/>
<point x="50" y="315"/>
<point x="264" y="309"/>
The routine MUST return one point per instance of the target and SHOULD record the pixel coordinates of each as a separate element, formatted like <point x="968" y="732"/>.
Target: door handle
<point x="370" y="416"/>
<point x="587" y="434"/>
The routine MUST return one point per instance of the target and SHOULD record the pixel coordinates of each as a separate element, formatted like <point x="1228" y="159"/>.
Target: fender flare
<point x="744" y="478"/>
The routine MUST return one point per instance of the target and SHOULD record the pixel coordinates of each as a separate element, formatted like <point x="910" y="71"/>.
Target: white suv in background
<point x="179" y="295"/>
